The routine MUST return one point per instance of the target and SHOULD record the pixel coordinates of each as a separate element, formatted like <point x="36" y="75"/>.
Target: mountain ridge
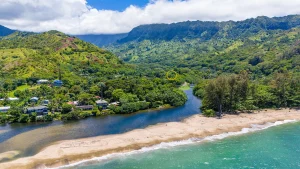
<point x="47" y="54"/>
<point x="4" y="31"/>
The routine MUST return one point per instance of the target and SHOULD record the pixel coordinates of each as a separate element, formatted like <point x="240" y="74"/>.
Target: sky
<point x="78" y="17"/>
<point x="118" y="5"/>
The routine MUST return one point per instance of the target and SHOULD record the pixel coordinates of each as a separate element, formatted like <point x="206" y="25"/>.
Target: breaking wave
<point x="163" y="145"/>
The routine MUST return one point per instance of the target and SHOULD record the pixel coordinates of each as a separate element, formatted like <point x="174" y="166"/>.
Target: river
<point x="29" y="139"/>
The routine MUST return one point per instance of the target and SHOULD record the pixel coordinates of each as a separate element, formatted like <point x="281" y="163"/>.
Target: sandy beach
<point x="70" y="151"/>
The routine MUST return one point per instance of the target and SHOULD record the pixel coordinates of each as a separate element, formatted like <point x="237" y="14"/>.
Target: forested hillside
<point x="265" y="49"/>
<point x="25" y="55"/>
<point x="88" y="73"/>
<point x="262" y="45"/>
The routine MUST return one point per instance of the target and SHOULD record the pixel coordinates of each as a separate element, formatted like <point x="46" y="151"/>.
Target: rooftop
<point x="43" y="80"/>
<point x="5" y="108"/>
<point x="36" y="108"/>
<point x="11" y="99"/>
<point x="101" y="102"/>
<point x="85" y="106"/>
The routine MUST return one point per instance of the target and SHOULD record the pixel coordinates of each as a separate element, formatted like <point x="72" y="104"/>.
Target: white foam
<point x="163" y="145"/>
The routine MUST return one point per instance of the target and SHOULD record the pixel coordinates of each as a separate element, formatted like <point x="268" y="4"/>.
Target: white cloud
<point x="76" y="17"/>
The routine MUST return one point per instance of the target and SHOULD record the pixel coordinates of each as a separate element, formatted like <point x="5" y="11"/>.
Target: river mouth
<point x="29" y="139"/>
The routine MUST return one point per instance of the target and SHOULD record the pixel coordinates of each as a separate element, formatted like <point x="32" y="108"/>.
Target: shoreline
<point x="72" y="151"/>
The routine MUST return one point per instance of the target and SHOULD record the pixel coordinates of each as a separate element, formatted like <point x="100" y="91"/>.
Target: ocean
<point x="274" y="145"/>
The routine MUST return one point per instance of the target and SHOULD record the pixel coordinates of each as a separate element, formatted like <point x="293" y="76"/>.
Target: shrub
<point x="66" y="108"/>
<point x="48" y="117"/>
<point x="85" y="114"/>
<point x="95" y="111"/>
<point x="3" y="119"/>
<point x="57" y="116"/>
<point x="24" y="118"/>
<point x="209" y="113"/>
<point x="157" y="104"/>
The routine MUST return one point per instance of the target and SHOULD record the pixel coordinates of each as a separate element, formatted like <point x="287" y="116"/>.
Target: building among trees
<point x="102" y="103"/>
<point x="40" y="110"/>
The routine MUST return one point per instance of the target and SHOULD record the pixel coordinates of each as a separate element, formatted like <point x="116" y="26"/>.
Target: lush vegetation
<point x="237" y="66"/>
<point x="237" y="93"/>
<point x="88" y="73"/>
<point x="261" y="46"/>
<point x="217" y="55"/>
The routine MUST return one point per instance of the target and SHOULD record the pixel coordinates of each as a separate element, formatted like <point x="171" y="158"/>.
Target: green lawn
<point x="21" y="88"/>
<point x="185" y="86"/>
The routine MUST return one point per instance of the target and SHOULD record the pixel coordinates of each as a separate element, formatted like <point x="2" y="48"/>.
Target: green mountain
<point x="87" y="73"/>
<point x="262" y="45"/>
<point x="209" y="30"/>
<point x="51" y="55"/>
<point x="5" y="31"/>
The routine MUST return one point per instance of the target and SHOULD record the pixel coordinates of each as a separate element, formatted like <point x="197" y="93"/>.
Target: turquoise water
<point x="275" y="147"/>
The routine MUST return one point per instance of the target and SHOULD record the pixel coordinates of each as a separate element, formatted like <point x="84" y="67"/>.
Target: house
<point x="4" y="109"/>
<point x="102" y="103"/>
<point x="57" y="83"/>
<point x="45" y="102"/>
<point x="115" y="103"/>
<point x="34" y="99"/>
<point x="40" y="110"/>
<point x="11" y="99"/>
<point x="74" y="103"/>
<point x="86" y="107"/>
<point x="43" y="81"/>
<point x="97" y="97"/>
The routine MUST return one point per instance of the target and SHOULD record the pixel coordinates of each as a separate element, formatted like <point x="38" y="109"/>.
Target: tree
<point x="232" y="85"/>
<point x="116" y="94"/>
<point x="281" y="83"/>
<point x="102" y="88"/>
<point x="127" y="98"/>
<point x="66" y="108"/>
<point x="24" y="118"/>
<point x="243" y="85"/>
<point x="85" y="99"/>
<point x="215" y="94"/>
<point x="75" y="89"/>
<point x="14" y="114"/>
<point x="94" y="90"/>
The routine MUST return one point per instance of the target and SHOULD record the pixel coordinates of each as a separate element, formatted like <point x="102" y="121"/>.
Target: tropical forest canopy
<point x="266" y="51"/>
<point x="236" y="66"/>
<point x="88" y="74"/>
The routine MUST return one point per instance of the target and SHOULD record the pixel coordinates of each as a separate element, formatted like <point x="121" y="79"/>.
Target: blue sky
<point x="119" y="5"/>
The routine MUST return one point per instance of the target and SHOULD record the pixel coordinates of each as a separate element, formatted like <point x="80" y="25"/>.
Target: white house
<point x="102" y="103"/>
<point x="34" y="99"/>
<point x="4" y="109"/>
<point x="43" y="81"/>
<point x="11" y="99"/>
